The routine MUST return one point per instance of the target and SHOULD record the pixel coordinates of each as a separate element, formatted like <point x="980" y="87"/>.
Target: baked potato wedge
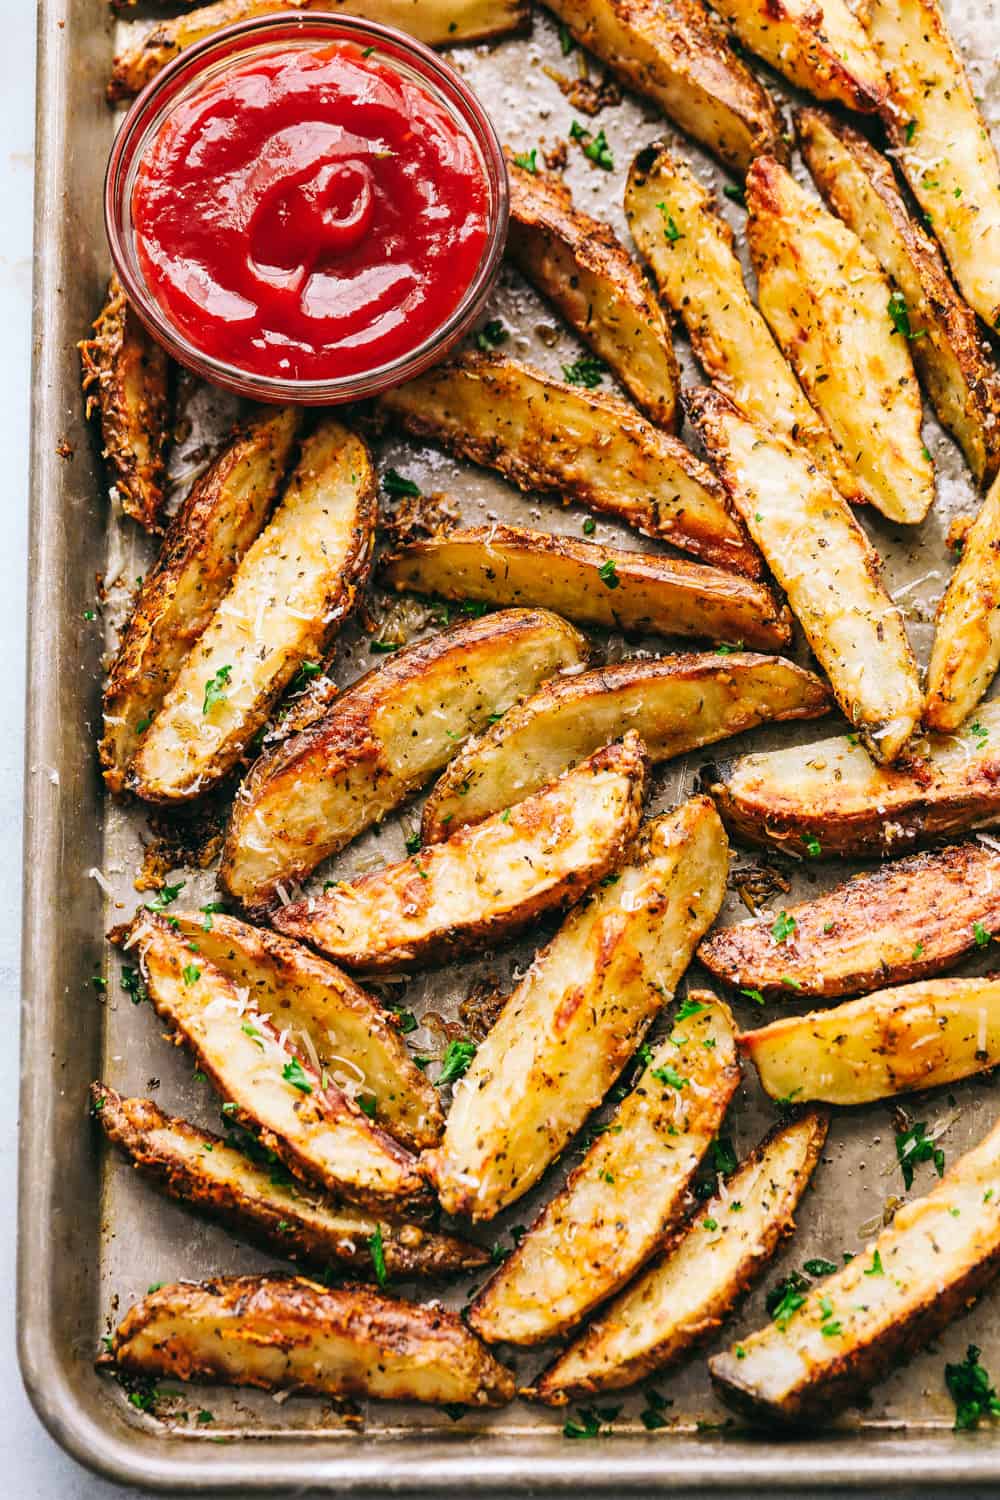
<point x="819" y="45"/>
<point x="689" y="249"/>
<point x="630" y="1189"/>
<point x="927" y="1267"/>
<point x="966" y="650"/>
<point x="544" y="434"/>
<point x="291" y="592"/>
<point x="953" y="361"/>
<point x="827" y="566"/>
<point x="439" y="23"/>
<point x="831" y="310"/>
<point x="592" y="583"/>
<point x="903" y="921"/>
<point x="299" y="1113"/>
<point x="288" y="1333"/>
<point x="580" y="265"/>
<point x="676" y="53"/>
<point x="204" y="544"/>
<point x="893" y="1042"/>
<point x="942" y="143"/>
<point x="204" y="1172"/>
<point x="831" y="791"/>
<point x="578" y="1014"/>
<point x="484" y="883"/>
<point x="126" y="380"/>
<point x="689" y="1290"/>
<point x="308" y="796"/>
<point x="343" y="1031"/>
<point x="674" y="703"/>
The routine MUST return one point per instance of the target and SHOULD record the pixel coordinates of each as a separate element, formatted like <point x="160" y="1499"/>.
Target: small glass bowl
<point x="205" y="60"/>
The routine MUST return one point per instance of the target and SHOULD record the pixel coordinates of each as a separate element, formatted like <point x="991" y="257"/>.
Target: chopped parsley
<point x="254" y="1035"/>
<point x="783" y="927"/>
<point x="294" y="1073"/>
<point x="787" y="1306"/>
<point x="981" y="935"/>
<point x="383" y="648"/>
<point x="670" y="231"/>
<point x="132" y="984"/>
<point x="909" y="130"/>
<point x="377" y="1252"/>
<point x="590" y="1420"/>
<point x="215" y="689"/>
<point x="367" y="1105"/>
<point x="689" y="1008"/>
<point x="208" y="911"/>
<point x="970" y="1389"/>
<point x="455" y="1063"/>
<point x="899" y="316"/>
<point x="876" y="1268"/>
<point x="398" y="487"/>
<point x="979" y="734"/>
<point x="165" y="896"/>
<point x="819" y="1267"/>
<point x="413" y="842"/>
<point x="669" y="1075"/>
<point x="492" y="335"/>
<point x="588" y="371"/>
<point x="589" y="526"/>
<point x="724" y="1156"/>
<point x="190" y="974"/>
<point x="656" y="1404"/>
<point x="813" y="847"/>
<point x="710" y="1224"/>
<point x="734" y="194"/>
<point x="405" y="1019"/>
<point x="566" y="42"/>
<point x="915" y="1145"/>
<point x="754" y="995"/>
<point x="527" y="160"/>
<point x="918" y="950"/>
<point x="595" y="147"/>
<point x="608" y="574"/>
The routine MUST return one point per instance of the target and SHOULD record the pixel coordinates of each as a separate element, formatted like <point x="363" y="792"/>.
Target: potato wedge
<point x="828" y="568"/>
<point x="576" y="1017"/>
<point x="914" y="1037"/>
<point x="938" y="1253"/>
<point x="258" y="1203"/>
<point x="204" y="544"/>
<point x="966" y="650"/>
<point x="292" y="590"/>
<point x="942" y="144"/>
<point x="830" y="309"/>
<point x="674" y="703"/>
<point x="318" y="1132"/>
<point x="439" y="23"/>
<point x="288" y="1333"/>
<point x="689" y="247"/>
<point x="832" y="792"/>
<point x="630" y="1189"/>
<point x="580" y="264"/>
<point x="953" y="361"/>
<point x="543" y="434"/>
<point x="126" y="379"/>
<point x="690" y="1289"/>
<point x="340" y="1028"/>
<point x="597" y="585"/>
<point x="678" y="55"/>
<point x="488" y="882"/>
<point x="819" y="45"/>
<point x="308" y="796"/>
<point x="903" y="921"/>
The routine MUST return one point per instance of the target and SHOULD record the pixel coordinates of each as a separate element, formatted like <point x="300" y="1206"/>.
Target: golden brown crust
<point x="966" y="650"/>
<point x="820" y="45"/>
<point x="126" y="379"/>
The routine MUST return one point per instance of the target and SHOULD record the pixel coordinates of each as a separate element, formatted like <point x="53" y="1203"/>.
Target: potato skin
<point x="580" y="264"/>
<point x="966" y="650"/>
<point x="282" y="1332"/>
<point x="197" y="1168"/>
<point x="904" y="921"/>
<point x="819" y="45"/>
<point x="126" y="379"/>
<point x="484" y="884"/>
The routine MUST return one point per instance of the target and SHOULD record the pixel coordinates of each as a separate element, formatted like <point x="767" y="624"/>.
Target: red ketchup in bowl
<point x="310" y="214"/>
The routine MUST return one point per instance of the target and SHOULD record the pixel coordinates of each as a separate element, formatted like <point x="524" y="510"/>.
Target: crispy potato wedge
<point x="942" y="143"/>
<point x="576" y="1017"/>
<point x="204" y="1172"/>
<point x="308" y="796"/>
<point x="316" y="1129"/>
<point x="914" y="1037"/>
<point x="288" y="1333"/>
<point x="829" y="307"/>
<point x="597" y="585"/>
<point x="580" y="264"/>
<point x="706" y="1266"/>
<point x="543" y="434"/>
<point x="126" y="379"/>
<point x="629" y="1190"/>
<point x="675" y="704"/>
<point x="289" y="595"/>
<point x="676" y="53"/>
<point x="903" y="921"/>
<point x="341" y="1029"/>
<point x="484" y="883"/>
<point x="203" y="547"/>
<point x="938" y="1253"/>
<point x="966" y="650"/>
<point x="828" y="568"/>
<point x="436" y="22"/>
<point x="689" y="247"/>
<point x="953" y="361"/>
<point x="832" y="792"/>
<point x="819" y="45"/>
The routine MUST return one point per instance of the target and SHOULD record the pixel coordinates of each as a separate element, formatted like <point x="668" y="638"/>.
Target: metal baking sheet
<point x="93" y="1237"/>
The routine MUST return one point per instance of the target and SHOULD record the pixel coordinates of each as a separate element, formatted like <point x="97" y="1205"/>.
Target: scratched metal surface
<point x="119" y="1237"/>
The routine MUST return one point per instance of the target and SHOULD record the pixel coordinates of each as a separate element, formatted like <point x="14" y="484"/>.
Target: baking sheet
<point x="94" y="1236"/>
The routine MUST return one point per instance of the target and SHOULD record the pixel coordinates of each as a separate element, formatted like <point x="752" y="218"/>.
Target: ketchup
<point x="310" y="215"/>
